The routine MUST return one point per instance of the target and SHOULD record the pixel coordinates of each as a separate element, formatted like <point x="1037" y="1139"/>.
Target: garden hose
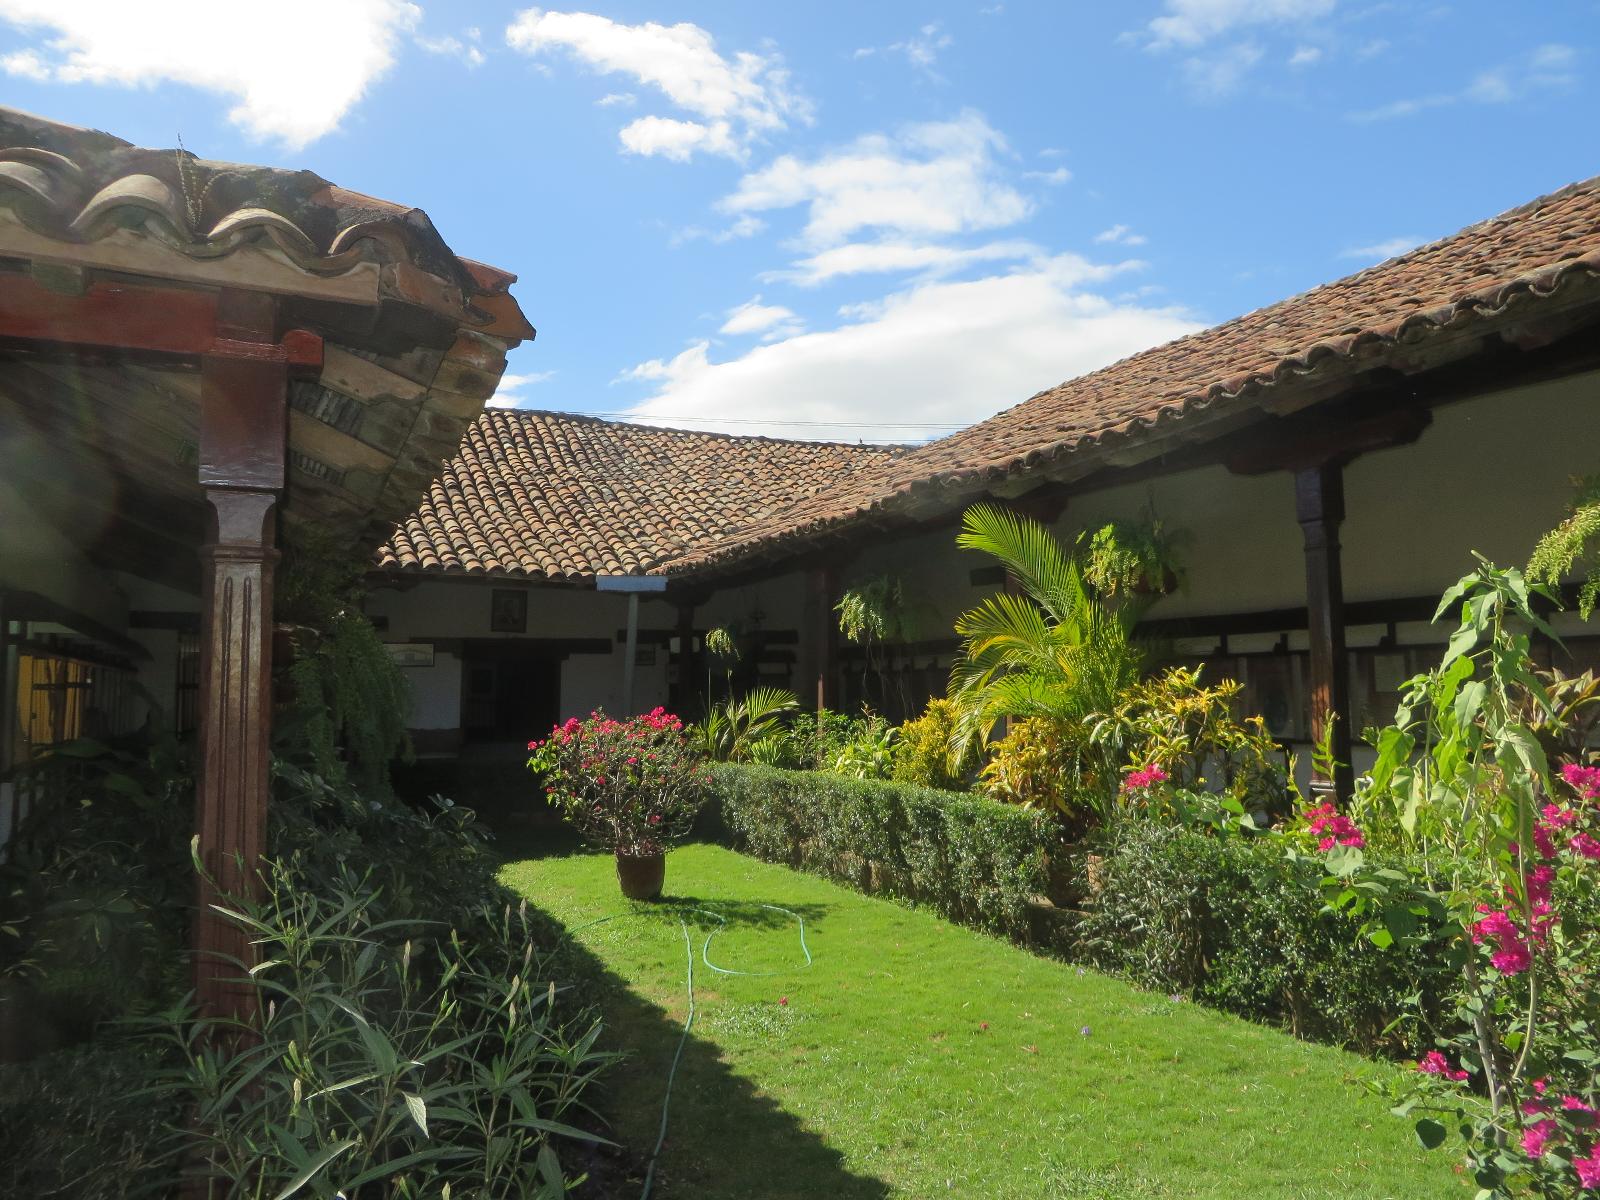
<point x="688" y="1024"/>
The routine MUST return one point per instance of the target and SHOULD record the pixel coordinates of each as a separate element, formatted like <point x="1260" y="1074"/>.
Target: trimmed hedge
<point x="1224" y="921"/>
<point x="971" y="860"/>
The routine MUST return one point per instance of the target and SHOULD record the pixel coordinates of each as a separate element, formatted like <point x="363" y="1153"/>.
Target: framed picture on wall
<point x="508" y="611"/>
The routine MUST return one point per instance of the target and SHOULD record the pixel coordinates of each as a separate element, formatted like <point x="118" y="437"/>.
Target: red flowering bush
<point x="631" y="786"/>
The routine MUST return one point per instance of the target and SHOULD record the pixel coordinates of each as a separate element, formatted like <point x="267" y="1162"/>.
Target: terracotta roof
<point x="1404" y="314"/>
<point x="110" y="198"/>
<point x="415" y="337"/>
<point x="560" y="496"/>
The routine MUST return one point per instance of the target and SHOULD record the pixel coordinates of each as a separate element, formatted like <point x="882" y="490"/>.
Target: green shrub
<point x="1226" y="921"/>
<point x="969" y="859"/>
<point x="923" y="755"/>
<point x="427" y="1066"/>
<point x="78" y="1123"/>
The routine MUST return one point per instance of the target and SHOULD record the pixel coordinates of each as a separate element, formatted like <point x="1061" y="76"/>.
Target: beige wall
<point x="1490" y="474"/>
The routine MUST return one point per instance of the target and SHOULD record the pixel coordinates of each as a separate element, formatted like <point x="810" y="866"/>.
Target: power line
<point x="636" y="416"/>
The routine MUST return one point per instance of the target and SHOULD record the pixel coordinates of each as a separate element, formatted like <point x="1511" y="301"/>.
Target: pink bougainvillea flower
<point x="1434" y="1063"/>
<point x="1557" y="816"/>
<point x="1137" y="781"/>
<point x="1536" y="1136"/>
<point x="1583" y="780"/>
<point x="1585" y="846"/>
<point x="1511" y="954"/>
<point x="1576" y="1104"/>
<point x="1333" y="828"/>
<point x="1588" y="1169"/>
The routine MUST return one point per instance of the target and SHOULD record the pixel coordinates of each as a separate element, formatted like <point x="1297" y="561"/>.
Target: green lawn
<point x="878" y="1077"/>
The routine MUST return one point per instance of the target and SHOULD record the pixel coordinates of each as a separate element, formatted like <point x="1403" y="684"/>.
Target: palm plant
<point x="732" y="732"/>
<point x="1056" y="652"/>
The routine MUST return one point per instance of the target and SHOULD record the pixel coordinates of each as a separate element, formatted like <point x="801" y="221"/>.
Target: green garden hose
<point x="688" y="1024"/>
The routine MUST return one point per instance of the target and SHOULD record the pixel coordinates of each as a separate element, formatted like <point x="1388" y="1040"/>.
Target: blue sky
<point x="852" y="220"/>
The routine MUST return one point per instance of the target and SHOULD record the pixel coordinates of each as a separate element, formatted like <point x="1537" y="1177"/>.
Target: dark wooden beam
<point x="684" y="661"/>
<point x="819" y="647"/>
<point x="1319" y="507"/>
<point x="176" y="321"/>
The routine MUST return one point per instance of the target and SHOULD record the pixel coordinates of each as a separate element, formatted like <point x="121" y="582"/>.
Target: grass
<point x="878" y="1077"/>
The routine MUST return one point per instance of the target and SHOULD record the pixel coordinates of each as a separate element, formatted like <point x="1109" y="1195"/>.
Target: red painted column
<point x="1319" y="507"/>
<point x="243" y="430"/>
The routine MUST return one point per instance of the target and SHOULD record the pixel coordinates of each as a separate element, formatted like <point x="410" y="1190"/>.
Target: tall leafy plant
<point x="1505" y="844"/>
<point x="1056" y="652"/>
<point x="350" y="702"/>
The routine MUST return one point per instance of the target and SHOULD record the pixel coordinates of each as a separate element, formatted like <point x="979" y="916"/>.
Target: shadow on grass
<point x="725" y="1139"/>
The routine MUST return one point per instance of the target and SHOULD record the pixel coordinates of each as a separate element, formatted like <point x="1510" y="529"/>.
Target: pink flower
<point x="1583" y="780"/>
<point x="1535" y="1136"/>
<point x="1576" y="1104"/>
<point x="1584" y="845"/>
<point x="983" y="1025"/>
<point x="1588" y="1169"/>
<point x="1434" y="1063"/>
<point x="1139" y="780"/>
<point x="1511" y="955"/>
<point x="655" y="818"/>
<point x="1558" y="817"/>
<point x="784" y="1001"/>
<point x="1333" y="828"/>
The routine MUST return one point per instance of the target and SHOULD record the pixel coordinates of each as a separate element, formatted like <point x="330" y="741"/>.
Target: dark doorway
<point x="511" y="691"/>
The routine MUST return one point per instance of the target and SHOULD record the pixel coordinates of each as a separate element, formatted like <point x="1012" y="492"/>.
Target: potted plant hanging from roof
<point x="632" y="787"/>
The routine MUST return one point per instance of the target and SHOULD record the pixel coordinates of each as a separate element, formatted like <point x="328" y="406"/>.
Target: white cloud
<point x="1219" y="74"/>
<point x="454" y="47"/>
<point x="26" y="64"/>
<point x="742" y="227"/>
<point x="1119" y="235"/>
<point x="289" y="86"/>
<point x="922" y="48"/>
<point x="1547" y="68"/>
<point x="616" y="99"/>
<point x="1305" y="56"/>
<point x="930" y="180"/>
<point x="1194" y="22"/>
<point x="510" y="392"/>
<point x="1387" y="248"/>
<point x="735" y="100"/>
<point x="677" y="140"/>
<point x="940" y="352"/>
<point x="1054" y="178"/>
<point x="870" y="258"/>
<point x="770" y="320"/>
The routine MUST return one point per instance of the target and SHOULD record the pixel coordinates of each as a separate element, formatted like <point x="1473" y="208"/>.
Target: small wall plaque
<point x="410" y="654"/>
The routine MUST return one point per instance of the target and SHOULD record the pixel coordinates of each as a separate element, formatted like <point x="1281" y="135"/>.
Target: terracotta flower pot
<point x="641" y="875"/>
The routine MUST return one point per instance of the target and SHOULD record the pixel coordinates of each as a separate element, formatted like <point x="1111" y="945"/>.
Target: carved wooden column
<point x="1319" y="506"/>
<point x="243" y="424"/>
<point x="820" y="650"/>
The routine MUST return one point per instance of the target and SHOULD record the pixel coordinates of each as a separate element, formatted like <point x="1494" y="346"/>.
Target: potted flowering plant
<point x="631" y="786"/>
